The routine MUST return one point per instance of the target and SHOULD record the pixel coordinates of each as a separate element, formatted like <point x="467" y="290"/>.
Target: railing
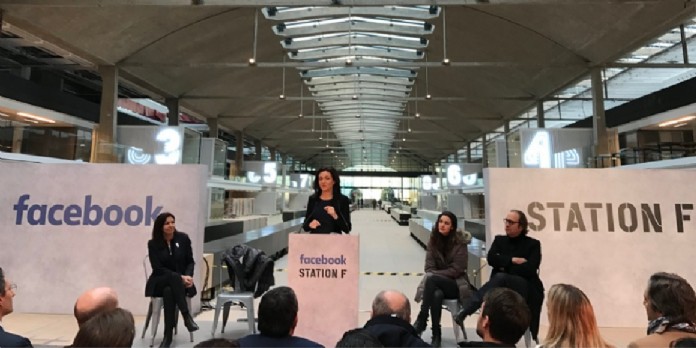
<point x="651" y="153"/>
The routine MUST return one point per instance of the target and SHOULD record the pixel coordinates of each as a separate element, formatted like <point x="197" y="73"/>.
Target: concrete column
<point x="108" y="116"/>
<point x="599" y="126"/>
<point x="173" y="113"/>
<point x="17" y="138"/>
<point x="484" y="153"/>
<point x="213" y="129"/>
<point x="239" y="158"/>
<point x="541" y="123"/>
<point x="468" y="152"/>
<point x="273" y="153"/>
<point x="257" y="145"/>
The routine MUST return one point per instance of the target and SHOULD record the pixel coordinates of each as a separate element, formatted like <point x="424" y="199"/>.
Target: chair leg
<point x="527" y="338"/>
<point x="225" y="315"/>
<point x="188" y="302"/>
<point x="250" y="316"/>
<point x="147" y="319"/>
<point x="158" y="303"/>
<point x="218" y="306"/>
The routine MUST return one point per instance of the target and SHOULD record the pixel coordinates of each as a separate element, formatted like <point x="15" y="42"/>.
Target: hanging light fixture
<point x="445" y="60"/>
<point x="415" y="88"/>
<point x="301" y="100"/>
<point x="252" y="60"/>
<point x="427" y="89"/>
<point x="282" y="93"/>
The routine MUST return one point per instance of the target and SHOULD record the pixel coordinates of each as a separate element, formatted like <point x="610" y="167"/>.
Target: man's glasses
<point x="509" y="222"/>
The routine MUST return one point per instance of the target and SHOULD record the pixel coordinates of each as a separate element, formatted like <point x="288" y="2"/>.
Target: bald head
<point x="93" y="302"/>
<point x="390" y="302"/>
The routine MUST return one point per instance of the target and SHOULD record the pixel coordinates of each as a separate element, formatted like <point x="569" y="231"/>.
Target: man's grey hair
<point x="392" y="302"/>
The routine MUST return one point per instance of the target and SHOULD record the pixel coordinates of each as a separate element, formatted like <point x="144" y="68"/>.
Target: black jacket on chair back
<point x="251" y="267"/>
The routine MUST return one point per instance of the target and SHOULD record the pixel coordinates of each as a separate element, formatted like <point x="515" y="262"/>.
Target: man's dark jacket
<point x="394" y="332"/>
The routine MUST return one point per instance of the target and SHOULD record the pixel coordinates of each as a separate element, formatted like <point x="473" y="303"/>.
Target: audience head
<point x="504" y="317"/>
<point x="93" y="302"/>
<point x="113" y="328"/>
<point x="669" y="295"/>
<point x="392" y="302"/>
<point x="358" y="338"/>
<point x="572" y="320"/>
<point x="7" y="292"/>
<point x="328" y="177"/>
<point x="683" y="343"/>
<point x="278" y="312"/>
<point x="218" y="343"/>
<point x="165" y="224"/>
<point x="515" y="223"/>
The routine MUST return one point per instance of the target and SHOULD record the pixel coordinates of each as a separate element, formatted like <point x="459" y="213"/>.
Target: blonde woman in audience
<point x="572" y="321"/>
<point x="670" y="305"/>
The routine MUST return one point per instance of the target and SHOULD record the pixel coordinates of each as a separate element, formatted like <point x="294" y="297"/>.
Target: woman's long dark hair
<point x="439" y="242"/>
<point x="158" y="227"/>
<point x="334" y="176"/>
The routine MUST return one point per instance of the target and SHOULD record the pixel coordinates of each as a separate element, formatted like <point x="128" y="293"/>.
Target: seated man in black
<point x="504" y="319"/>
<point x="515" y="259"/>
<point x="391" y="321"/>
<point x="277" y="322"/>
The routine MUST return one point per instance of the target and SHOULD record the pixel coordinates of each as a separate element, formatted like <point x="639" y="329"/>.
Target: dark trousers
<point x="173" y="295"/>
<point x="436" y="289"/>
<point x="505" y="280"/>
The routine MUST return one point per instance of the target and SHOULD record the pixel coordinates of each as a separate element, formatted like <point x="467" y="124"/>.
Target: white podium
<point x="324" y="271"/>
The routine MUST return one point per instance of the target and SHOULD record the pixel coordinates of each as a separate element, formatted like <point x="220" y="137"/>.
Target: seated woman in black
<point x="171" y="258"/>
<point x="327" y="209"/>
<point x="515" y="259"/>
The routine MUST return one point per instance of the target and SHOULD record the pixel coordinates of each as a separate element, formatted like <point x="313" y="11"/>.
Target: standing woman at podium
<point x="171" y="258"/>
<point x="327" y="209"/>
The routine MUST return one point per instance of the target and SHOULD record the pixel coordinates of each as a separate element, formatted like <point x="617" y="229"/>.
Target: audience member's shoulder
<point x="304" y="342"/>
<point x="481" y="344"/>
<point x="8" y="339"/>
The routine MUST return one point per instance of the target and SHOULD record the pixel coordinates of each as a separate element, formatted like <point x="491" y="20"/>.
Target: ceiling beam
<point x="354" y="63"/>
<point x="256" y="3"/>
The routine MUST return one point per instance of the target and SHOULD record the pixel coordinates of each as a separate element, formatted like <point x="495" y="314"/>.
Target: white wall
<point x="54" y="263"/>
<point x="607" y="260"/>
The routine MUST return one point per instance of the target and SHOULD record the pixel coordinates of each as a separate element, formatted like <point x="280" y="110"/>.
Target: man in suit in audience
<point x="277" y="322"/>
<point x="504" y="319"/>
<point x="7" y="292"/>
<point x="391" y="321"/>
<point x="93" y="302"/>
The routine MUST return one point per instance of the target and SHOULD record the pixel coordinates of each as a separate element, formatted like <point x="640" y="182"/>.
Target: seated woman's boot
<point x="167" y="340"/>
<point x="462" y="314"/>
<point x="188" y="322"/>
<point x="437" y="337"/>
<point x="420" y="324"/>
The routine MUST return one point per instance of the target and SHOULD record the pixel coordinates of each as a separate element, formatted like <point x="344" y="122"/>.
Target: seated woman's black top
<point x="316" y="211"/>
<point x="176" y="259"/>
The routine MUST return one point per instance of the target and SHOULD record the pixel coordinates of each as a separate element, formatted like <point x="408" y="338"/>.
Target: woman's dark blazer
<point x="163" y="265"/>
<point x="342" y="206"/>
